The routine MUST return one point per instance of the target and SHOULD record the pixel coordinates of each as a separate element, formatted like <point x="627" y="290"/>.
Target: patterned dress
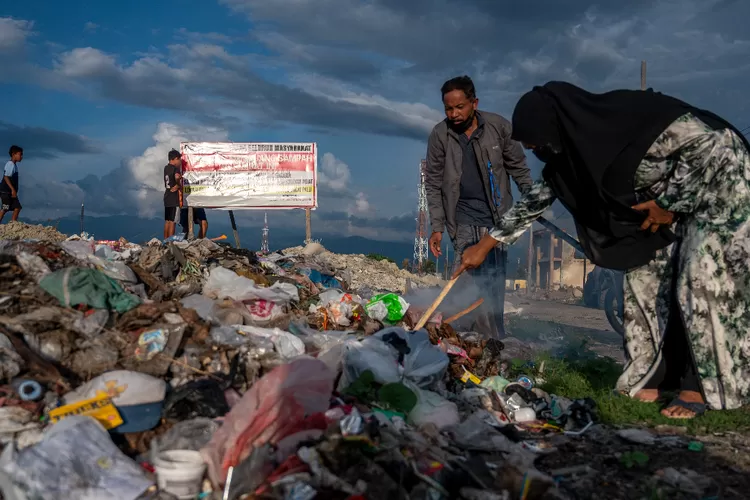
<point x="703" y="175"/>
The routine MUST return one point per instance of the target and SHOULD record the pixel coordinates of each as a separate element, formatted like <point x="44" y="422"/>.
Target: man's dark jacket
<point x="445" y="165"/>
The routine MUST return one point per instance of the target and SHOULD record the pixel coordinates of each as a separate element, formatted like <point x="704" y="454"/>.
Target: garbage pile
<point x="196" y="370"/>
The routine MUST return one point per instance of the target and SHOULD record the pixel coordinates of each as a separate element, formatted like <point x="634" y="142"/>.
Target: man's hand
<point x="14" y="194"/>
<point x="656" y="217"/>
<point x="475" y="255"/>
<point x="435" y="240"/>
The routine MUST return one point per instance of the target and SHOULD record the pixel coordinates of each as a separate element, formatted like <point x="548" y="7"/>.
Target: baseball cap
<point x="174" y="154"/>
<point x="139" y="398"/>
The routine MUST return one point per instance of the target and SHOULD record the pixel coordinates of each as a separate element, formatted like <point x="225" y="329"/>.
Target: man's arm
<point x="433" y="181"/>
<point x="514" y="161"/>
<point x="6" y="179"/>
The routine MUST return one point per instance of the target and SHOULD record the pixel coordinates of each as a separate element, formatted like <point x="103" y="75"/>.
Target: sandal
<point x="697" y="408"/>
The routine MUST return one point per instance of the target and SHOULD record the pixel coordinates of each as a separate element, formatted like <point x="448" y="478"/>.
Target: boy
<point x="9" y="185"/>
<point x="172" y="192"/>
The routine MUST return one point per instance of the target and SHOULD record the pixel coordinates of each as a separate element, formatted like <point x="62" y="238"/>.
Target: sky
<point x="97" y="94"/>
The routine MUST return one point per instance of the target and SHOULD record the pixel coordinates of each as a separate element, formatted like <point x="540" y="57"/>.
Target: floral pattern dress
<point x="703" y="175"/>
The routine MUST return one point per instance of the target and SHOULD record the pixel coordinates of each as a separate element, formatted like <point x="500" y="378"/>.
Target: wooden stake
<point x="308" y="229"/>
<point x="429" y="312"/>
<point x="190" y="222"/>
<point x="234" y="229"/>
<point x="643" y="75"/>
<point x="463" y="313"/>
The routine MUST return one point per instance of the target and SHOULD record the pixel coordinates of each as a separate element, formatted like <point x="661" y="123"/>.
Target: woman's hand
<point x="475" y="255"/>
<point x="656" y="217"/>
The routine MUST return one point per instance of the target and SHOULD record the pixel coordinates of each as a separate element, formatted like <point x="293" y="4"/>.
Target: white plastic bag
<point x="432" y="408"/>
<point x="223" y="283"/>
<point x="78" y="461"/>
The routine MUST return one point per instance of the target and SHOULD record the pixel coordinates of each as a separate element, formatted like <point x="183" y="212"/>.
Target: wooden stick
<point x="464" y="312"/>
<point x="426" y="316"/>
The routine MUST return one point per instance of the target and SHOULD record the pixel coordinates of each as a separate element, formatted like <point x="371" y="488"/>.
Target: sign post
<point x="250" y="176"/>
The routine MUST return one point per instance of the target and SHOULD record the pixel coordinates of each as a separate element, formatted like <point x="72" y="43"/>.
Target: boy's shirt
<point x="10" y="170"/>
<point x="171" y="199"/>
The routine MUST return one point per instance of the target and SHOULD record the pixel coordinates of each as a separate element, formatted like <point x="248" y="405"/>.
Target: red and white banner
<point x="250" y="175"/>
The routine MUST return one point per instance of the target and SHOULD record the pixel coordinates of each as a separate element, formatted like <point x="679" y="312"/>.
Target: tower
<point x="420" y="239"/>
<point x="264" y="241"/>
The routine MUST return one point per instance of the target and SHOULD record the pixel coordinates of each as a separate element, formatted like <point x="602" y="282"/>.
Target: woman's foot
<point x="647" y="395"/>
<point x="687" y="405"/>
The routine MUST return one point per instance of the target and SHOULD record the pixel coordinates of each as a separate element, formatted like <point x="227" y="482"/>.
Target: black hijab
<point x="600" y="140"/>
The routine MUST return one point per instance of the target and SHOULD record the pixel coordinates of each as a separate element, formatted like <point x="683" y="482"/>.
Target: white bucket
<point x="180" y="472"/>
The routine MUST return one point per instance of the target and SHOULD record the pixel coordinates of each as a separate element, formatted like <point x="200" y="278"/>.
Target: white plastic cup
<point x="180" y="472"/>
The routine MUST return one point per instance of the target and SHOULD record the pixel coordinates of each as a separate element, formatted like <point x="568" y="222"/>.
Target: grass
<point x="579" y="374"/>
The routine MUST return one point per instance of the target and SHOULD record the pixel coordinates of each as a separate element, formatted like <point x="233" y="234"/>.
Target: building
<point x="555" y="263"/>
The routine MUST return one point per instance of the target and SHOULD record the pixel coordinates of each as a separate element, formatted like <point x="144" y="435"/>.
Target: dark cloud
<point x="39" y="142"/>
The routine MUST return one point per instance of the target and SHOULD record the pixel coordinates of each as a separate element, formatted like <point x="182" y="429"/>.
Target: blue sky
<point x="94" y="88"/>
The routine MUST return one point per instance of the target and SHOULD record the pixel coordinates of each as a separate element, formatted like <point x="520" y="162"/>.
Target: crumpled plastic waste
<point x="275" y="407"/>
<point x="76" y="459"/>
<point x="387" y="307"/>
<point x="223" y="283"/>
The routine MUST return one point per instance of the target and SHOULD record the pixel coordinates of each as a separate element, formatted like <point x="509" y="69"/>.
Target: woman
<point x="661" y="190"/>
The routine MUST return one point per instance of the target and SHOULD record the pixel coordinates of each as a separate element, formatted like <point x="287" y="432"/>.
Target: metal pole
<point x="643" y="75"/>
<point x="530" y="258"/>
<point x="81" y="218"/>
<point x="234" y="229"/>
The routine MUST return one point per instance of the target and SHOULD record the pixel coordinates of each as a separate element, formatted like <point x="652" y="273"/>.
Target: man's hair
<point x="15" y="149"/>
<point x="463" y="83"/>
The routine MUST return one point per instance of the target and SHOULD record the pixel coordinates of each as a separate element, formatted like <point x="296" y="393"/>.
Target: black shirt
<point x="171" y="199"/>
<point x="472" y="208"/>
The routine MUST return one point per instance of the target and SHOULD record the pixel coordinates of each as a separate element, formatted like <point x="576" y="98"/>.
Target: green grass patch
<point x="580" y="375"/>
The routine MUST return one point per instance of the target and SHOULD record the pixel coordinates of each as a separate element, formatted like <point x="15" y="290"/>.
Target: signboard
<point x="237" y="175"/>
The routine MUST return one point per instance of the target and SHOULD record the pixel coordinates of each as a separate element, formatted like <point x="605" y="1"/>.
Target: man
<point x="470" y="159"/>
<point x="172" y="192"/>
<point x="199" y="217"/>
<point x="9" y="185"/>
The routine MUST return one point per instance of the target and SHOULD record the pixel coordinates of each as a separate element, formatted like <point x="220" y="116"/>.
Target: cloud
<point x="90" y="27"/>
<point x="14" y="32"/>
<point x="39" y="142"/>
<point x="361" y="205"/>
<point x="333" y="174"/>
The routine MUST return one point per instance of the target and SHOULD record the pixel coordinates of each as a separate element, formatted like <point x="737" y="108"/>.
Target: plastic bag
<point x="200" y="398"/>
<point x="432" y="408"/>
<point x="268" y="412"/>
<point x="77" y="460"/>
<point x="393" y="354"/>
<point x="191" y="434"/>
<point x="223" y="283"/>
<point x="287" y="345"/>
<point x="388" y="306"/>
<point x="202" y="305"/>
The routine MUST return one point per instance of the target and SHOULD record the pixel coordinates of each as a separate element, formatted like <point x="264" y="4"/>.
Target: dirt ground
<point x="556" y="327"/>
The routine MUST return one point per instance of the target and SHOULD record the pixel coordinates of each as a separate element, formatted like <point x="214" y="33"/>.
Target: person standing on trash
<point x="470" y="159"/>
<point x="9" y="184"/>
<point x="199" y="217"/>
<point x="661" y="190"/>
<point x="172" y="192"/>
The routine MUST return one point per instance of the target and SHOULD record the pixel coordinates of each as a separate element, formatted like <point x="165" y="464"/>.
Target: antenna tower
<point x="420" y="239"/>
<point x="264" y="241"/>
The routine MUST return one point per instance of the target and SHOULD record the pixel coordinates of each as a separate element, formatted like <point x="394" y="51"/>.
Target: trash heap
<point x="196" y="370"/>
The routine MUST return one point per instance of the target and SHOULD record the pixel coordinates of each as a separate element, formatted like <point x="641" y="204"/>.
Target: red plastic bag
<point x="271" y="410"/>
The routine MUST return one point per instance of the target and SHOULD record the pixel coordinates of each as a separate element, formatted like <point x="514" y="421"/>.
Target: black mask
<point x="463" y="126"/>
<point x="545" y="153"/>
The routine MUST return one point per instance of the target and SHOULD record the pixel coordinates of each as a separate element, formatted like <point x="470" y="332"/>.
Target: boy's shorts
<point x="171" y="213"/>
<point x="9" y="203"/>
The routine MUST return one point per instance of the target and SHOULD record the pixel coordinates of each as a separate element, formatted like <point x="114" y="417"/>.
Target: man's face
<point x="17" y="157"/>
<point x="458" y="107"/>
<point x="176" y="162"/>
